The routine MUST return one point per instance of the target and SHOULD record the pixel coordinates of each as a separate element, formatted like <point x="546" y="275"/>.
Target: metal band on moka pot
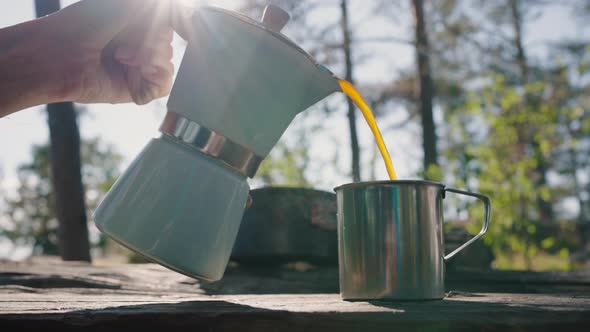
<point x="211" y="143"/>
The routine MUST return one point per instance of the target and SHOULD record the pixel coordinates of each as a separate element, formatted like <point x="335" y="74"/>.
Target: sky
<point x="129" y="127"/>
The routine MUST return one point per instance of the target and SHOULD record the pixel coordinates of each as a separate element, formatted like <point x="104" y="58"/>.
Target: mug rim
<point x="387" y="183"/>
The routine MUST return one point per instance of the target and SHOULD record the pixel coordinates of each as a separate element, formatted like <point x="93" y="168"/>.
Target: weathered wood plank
<point x="481" y="311"/>
<point x="48" y="294"/>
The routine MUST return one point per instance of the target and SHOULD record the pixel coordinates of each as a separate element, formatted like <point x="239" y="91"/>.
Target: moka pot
<point x="240" y="84"/>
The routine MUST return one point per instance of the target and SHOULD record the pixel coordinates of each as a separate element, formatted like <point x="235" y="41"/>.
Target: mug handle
<point x="486" y="219"/>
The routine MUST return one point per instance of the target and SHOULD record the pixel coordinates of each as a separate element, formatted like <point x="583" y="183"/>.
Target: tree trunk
<point x="354" y="144"/>
<point x="517" y="27"/>
<point x="540" y="178"/>
<point x="426" y="88"/>
<point x="66" y="170"/>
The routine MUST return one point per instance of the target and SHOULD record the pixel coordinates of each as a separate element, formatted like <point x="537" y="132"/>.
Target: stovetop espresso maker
<point x="240" y="84"/>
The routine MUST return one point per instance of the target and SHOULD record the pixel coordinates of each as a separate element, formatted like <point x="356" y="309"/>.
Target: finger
<point x="161" y="54"/>
<point x="161" y="80"/>
<point x="159" y="74"/>
<point x="141" y="91"/>
<point x="153" y="55"/>
<point x="148" y="83"/>
<point x="166" y="35"/>
<point x="136" y="40"/>
<point x="138" y="34"/>
<point x="150" y="91"/>
<point x="127" y="55"/>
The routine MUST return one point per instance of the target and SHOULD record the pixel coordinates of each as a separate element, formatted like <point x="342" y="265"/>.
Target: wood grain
<point x="49" y="294"/>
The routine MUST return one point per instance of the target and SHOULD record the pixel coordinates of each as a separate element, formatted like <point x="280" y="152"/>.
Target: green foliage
<point x="434" y="173"/>
<point x="31" y="213"/>
<point x="515" y="128"/>
<point x="289" y="160"/>
<point x="521" y="126"/>
<point x="285" y="166"/>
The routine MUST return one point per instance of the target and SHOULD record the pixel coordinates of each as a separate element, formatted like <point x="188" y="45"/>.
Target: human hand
<point x="111" y="51"/>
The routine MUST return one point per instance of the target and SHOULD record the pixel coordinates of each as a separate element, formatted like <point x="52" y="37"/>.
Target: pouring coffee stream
<point x="353" y="94"/>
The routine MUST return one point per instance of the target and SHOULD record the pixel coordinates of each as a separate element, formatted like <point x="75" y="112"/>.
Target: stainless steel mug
<point x="390" y="239"/>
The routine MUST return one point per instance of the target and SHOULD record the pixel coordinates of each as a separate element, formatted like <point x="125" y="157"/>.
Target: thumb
<point x="102" y="20"/>
<point x="181" y="19"/>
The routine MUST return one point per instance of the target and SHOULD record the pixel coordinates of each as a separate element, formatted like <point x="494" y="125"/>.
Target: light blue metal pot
<point x="240" y="84"/>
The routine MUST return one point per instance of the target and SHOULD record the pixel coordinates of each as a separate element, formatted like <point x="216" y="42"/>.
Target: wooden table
<point x="51" y="295"/>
